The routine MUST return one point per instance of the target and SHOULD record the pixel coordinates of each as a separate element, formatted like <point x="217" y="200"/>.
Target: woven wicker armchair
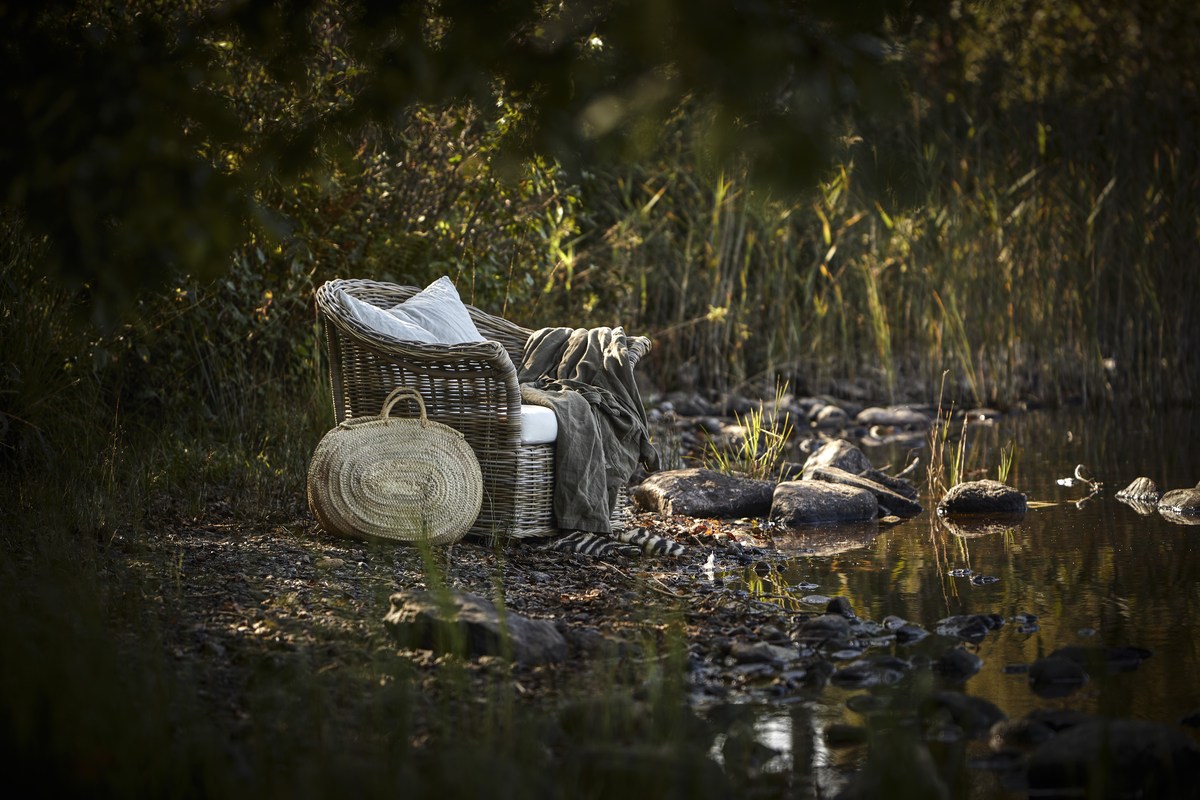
<point x="470" y="387"/>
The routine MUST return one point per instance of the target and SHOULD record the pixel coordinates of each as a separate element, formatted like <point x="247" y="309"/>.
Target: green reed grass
<point x="762" y="446"/>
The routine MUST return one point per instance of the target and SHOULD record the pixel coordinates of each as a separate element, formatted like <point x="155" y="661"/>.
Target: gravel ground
<point x="240" y="598"/>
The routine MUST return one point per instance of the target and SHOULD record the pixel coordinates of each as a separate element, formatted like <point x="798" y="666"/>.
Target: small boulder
<point x="840" y="454"/>
<point x="1141" y="489"/>
<point x="830" y="417"/>
<point x="840" y="605"/>
<point x="825" y="626"/>
<point x="690" y="404"/>
<point x="762" y="653"/>
<point x="1056" y="676"/>
<point x="982" y="497"/>
<point x="705" y="493"/>
<point x="1117" y="758"/>
<point x="807" y="502"/>
<point x="471" y="625"/>
<point x="890" y="502"/>
<point x="897" y="416"/>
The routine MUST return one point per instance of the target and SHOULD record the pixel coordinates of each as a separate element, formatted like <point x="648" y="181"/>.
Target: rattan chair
<point x="470" y="387"/>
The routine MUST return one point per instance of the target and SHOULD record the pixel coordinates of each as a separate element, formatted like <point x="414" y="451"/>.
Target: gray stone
<point x="840" y="454"/>
<point x="901" y="486"/>
<point x="843" y="455"/>
<point x="471" y="625"/>
<point x="829" y="626"/>
<point x="1117" y="758"/>
<point x="841" y="606"/>
<point x="982" y="497"/>
<point x="706" y="493"/>
<point x="690" y="404"/>
<point x="807" y="502"/>
<point x="897" y="416"/>
<point x="1142" y="489"/>
<point x="830" y="417"/>
<point x="1181" y="501"/>
<point x="762" y="653"/>
<point x="890" y="502"/>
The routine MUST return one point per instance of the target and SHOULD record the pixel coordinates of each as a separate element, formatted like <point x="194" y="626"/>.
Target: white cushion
<point x="538" y="425"/>
<point x="438" y="309"/>
<point x="376" y="319"/>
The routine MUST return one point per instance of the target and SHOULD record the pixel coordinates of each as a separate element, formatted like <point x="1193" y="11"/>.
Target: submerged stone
<point x="974" y="715"/>
<point x="956" y="665"/>
<point x="1056" y="676"/>
<point x="1117" y="758"/>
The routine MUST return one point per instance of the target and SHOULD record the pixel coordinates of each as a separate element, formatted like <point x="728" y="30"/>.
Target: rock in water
<point x="806" y="502"/>
<point x="982" y="497"/>
<point x="1142" y="489"/>
<point x="1117" y="758"/>
<point x="1181" y="501"/>
<point x="890" y="502"/>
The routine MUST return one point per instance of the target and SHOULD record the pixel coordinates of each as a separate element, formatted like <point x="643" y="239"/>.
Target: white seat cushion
<point x="538" y="425"/>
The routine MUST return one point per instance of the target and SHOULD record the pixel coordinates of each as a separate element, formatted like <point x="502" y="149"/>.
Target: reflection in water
<point x="1179" y="519"/>
<point x="970" y="527"/>
<point x="825" y="540"/>
<point x="1099" y="567"/>
<point x="1141" y="507"/>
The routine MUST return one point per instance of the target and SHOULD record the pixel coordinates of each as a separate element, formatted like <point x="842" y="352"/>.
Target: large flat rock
<point x="807" y="502"/>
<point x="699" y="492"/>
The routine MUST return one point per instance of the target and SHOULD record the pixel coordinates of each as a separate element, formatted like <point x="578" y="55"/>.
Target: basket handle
<point x="398" y="394"/>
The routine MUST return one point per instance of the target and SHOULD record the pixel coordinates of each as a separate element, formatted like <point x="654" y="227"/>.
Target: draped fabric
<point x="585" y="376"/>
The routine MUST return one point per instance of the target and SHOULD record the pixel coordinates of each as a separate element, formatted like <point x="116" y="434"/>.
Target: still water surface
<point x="1093" y="571"/>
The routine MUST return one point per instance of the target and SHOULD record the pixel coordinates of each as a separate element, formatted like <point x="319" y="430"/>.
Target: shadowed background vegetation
<point x="830" y="194"/>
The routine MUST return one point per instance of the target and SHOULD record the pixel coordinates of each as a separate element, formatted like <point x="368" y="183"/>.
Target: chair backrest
<point x="472" y="387"/>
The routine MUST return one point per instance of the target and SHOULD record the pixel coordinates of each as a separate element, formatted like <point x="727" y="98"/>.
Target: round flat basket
<point x="395" y="478"/>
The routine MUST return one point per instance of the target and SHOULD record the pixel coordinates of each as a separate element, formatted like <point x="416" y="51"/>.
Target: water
<point x="1093" y="571"/>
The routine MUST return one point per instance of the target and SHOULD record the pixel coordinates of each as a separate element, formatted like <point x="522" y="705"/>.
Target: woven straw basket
<point x="395" y="478"/>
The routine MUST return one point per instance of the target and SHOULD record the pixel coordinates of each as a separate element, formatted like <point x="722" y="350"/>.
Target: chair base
<point x="532" y="513"/>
